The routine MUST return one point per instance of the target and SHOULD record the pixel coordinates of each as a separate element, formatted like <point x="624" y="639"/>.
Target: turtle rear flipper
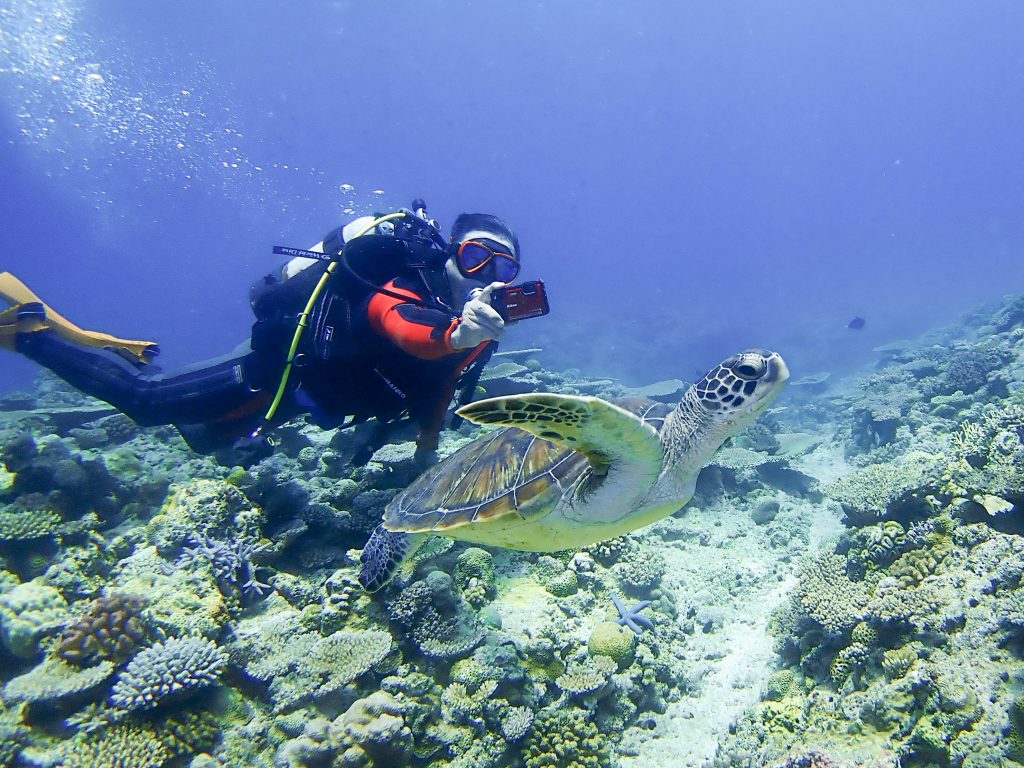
<point x="383" y="555"/>
<point x="605" y="433"/>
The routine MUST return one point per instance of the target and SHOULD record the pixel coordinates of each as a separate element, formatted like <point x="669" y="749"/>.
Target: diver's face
<point x="461" y="285"/>
<point x="479" y="259"/>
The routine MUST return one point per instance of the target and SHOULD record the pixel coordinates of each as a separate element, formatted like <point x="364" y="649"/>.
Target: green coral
<point x="1015" y="738"/>
<point x="298" y="664"/>
<point x="475" y="563"/>
<point x="864" y="634"/>
<point x="780" y="684"/>
<point x="586" y="676"/>
<point x="564" y="584"/>
<point x="913" y="567"/>
<point x="898" y="661"/>
<point x="148" y="745"/>
<point x="615" y="642"/>
<point x="849" y="661"/>
<point x="566" y="738"/>
<point x="28" y="524"/>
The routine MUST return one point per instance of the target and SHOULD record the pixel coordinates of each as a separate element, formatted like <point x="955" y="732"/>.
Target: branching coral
<point x="828" y="596"/>
<point x="231" y="563"/>
<point x="987" y="458"/>
<point x="173" y="667"/>
<point x="565" y="738"/>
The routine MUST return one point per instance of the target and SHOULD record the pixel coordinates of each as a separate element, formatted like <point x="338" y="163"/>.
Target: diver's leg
<point x="200" y="393"/>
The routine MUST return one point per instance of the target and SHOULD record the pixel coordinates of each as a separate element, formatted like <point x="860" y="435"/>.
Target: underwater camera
<point x="521" y="302"/>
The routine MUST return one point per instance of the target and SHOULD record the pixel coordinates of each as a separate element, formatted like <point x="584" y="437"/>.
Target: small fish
<point x="856" y="324"/>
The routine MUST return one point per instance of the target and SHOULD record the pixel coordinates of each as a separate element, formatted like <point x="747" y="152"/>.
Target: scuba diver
<point x="382" y="319"/>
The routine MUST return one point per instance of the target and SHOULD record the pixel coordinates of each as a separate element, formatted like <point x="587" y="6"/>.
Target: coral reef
<point x="158" y="609"/>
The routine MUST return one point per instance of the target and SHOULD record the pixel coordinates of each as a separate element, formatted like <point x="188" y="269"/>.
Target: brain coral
<point x="175" y="666"/>
<point x="110" y="628"/>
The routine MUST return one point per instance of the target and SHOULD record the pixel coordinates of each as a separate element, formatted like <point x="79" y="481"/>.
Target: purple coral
<point x="231" y="563"/>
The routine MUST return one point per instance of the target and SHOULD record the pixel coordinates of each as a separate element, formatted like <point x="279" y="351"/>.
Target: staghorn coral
<point x="54" y="680"/>
<point x="826" y="595"/>
<point x="231" y="563"/>
<point x="110" y="628"/>
<point x="173" y="667"/>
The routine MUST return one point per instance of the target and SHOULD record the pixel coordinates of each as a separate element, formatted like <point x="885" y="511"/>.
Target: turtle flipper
<point x="384" y="554"/>
<point x="601" y="431"/>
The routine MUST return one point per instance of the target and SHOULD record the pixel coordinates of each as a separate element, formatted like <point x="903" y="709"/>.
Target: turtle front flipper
<point x="384" y="554"/>
<point x="605" y="433"/>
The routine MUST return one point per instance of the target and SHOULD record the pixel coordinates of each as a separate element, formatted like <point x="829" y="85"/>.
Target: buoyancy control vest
<point x="343" y="368"/>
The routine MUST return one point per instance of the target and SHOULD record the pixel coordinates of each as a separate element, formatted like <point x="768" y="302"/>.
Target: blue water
<point x="689" y="179"/>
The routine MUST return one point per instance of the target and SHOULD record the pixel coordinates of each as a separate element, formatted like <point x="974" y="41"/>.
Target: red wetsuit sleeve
<point x="422" y="332"/>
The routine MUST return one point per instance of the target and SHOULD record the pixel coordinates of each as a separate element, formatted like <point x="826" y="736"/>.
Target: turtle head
<point x="737" y="390"/>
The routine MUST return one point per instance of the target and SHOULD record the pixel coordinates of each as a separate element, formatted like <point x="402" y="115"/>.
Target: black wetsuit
<point x="362" y="356"/>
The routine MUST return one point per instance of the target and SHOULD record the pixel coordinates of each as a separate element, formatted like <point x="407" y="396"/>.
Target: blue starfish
<point x="631" y="618"/>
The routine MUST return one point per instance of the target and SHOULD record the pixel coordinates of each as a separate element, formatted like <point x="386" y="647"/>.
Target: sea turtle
<point x="569" y="471"/>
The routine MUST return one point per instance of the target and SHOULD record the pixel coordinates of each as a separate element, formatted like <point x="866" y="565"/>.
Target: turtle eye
<point x="750" y="370"/>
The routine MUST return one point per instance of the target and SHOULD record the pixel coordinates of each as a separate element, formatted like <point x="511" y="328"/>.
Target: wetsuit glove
<point x="480" y="322"/>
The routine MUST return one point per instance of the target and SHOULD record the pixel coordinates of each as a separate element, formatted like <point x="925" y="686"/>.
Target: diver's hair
<point x="468" y="222"/>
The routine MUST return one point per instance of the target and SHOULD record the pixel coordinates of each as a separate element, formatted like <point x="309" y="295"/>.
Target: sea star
<point x="631" y="618"/>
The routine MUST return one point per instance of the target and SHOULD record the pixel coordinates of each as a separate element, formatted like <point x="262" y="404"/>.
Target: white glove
<point x="480" y="321"/>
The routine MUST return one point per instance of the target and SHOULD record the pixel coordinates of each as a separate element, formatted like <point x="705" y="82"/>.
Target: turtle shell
<point x="508" y="472"/>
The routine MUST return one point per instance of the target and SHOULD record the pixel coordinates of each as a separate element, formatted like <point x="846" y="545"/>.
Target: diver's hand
<point x="247" y="451"/>
<point x="480" y="321"/>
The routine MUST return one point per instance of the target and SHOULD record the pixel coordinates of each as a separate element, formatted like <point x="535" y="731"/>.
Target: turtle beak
<point x="778" y="371"/>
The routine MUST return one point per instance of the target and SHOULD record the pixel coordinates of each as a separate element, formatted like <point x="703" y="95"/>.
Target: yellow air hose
<point x="304" y="317"/>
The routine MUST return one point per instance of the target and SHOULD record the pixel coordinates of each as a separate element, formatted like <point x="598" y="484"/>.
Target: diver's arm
<point x="420" y="331"/>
